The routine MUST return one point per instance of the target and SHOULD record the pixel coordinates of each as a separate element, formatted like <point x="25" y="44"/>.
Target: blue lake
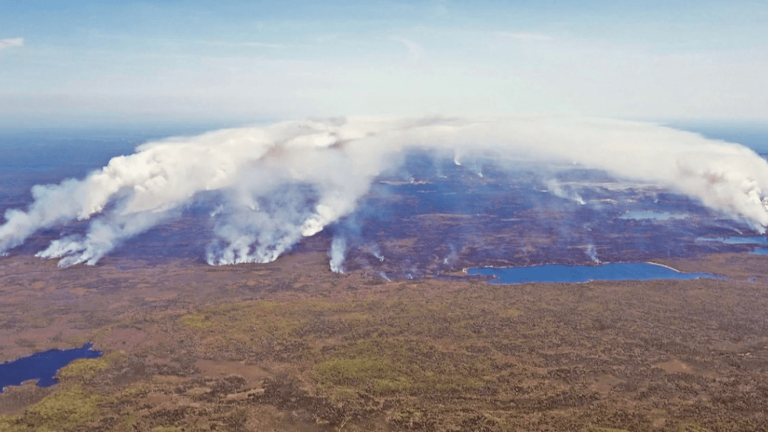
<point x="643" y="215"/>
<point x="735" y="240"/>
<point x="42" y="366"/>
<point x="561" y="273"/>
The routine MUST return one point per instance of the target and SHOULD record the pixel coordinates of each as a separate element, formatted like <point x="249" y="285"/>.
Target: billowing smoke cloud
<point x="289" y="180"/>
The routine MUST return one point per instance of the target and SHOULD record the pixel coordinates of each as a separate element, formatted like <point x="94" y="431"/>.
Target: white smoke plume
<point x="592" y="253"/>
<point x="337" y="254"/>
<point x="450" y="259"/>
<point x="289" y="180"/>
<point x="557" y="190"/>
<point x="374" y="250"/>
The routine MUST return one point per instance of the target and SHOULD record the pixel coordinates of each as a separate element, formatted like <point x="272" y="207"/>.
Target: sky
<point x="236" y="62"/>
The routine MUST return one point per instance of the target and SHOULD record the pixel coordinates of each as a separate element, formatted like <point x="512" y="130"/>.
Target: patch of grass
<point x="409" y="419"/>
<point x="388" y="386"/>
<point x="134" y="393"/>
<point x="379" y="373"/>
<point x="257" y="318"/>
<point x="83" y="368"/>
<point x="7" y="424"/>
<point x="344" y="395"/>
<point x="388" y="367"/>
<point x="128" y="423"/>
<point x="405" y="415"/>
<point x="197" y="320"/>
<point x="65" y="409"/>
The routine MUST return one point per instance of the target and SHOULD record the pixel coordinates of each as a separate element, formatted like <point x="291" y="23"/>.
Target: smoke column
<point x="338" y="250"/>
<point x="289" y="180"/>
<point x="592" y="253"/>
<point x="558" y="191"/>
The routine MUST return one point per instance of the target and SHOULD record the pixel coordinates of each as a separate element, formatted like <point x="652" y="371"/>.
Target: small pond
<point x="42" y="366"/>
<point x="649" y="215"/>
<point x="741" y="241"/>
<point x="735" y="240"/>
<point x="562" y="273"/>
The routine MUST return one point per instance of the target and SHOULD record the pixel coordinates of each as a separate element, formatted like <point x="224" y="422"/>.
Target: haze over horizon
<point x="94" y="63"/>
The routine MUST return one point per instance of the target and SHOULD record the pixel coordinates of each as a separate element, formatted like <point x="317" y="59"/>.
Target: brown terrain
<point x="290" y="346"/>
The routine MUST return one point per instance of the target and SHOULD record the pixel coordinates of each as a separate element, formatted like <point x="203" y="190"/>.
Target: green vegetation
<point x="373" y="374"/>
<point x="135" y="392"/>
<point x="67" y="408"/>
<point x="197" y="320"/>
<point x="83" y="368"/>
<point x="258" y="319"/>
<point x="390" y="366"/>
<point x="437" y="358"/>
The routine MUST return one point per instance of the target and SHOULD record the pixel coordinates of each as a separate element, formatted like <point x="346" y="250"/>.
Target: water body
<point x="561" y="273"/>
<point x="42" y="366"/>
<point x="760" y="251"/>
<point x="736" y="240"/>
<point x="752" y="135"/>
<point x="649" y="215"/>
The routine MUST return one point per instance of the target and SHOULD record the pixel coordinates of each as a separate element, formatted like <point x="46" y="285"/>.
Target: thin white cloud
<point x="537" y="37"/>
<point x="11" y="43"/>
<point x="251" y="44"/>
<point x="415" y="51"/>
<point x="186" y="42"/>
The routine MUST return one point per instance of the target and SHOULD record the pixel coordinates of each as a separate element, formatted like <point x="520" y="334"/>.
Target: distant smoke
<point x="457" y="157"/>
<point x="338" y="250"/>
<point x="290" y="180"/>
<point x="592" y="253"/>
<point x="375" y="251"/>
<point x="557" y="190"/>
<point x="451" y="258"/>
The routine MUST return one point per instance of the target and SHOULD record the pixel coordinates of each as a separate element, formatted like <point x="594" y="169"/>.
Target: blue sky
<point x="93" y="62"/>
